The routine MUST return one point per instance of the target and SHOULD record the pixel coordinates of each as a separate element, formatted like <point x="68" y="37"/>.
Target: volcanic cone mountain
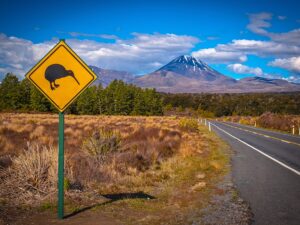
<point x="185" y="74"/>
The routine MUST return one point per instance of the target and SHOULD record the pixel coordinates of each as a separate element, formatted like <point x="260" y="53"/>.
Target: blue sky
<point x="238" y="38"/>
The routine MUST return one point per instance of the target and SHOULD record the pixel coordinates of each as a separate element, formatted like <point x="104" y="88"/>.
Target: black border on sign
<point x="79" y="60"/>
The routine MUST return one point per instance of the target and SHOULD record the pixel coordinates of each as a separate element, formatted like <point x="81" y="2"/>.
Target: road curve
<point x="266" y="171"/>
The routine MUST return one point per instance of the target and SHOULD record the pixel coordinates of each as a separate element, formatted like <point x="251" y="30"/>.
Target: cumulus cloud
<point x="137" y="54"/>
<point x="292" y="64"/>
<point x="260" y="48"/>
<point x="237" y="51"/>
<point x="140" y="54"/>
<point x="256" y="71"/>
<point x="243" y="69"/>
<point x="18" y="55"/>
<point x="214" y="55"/>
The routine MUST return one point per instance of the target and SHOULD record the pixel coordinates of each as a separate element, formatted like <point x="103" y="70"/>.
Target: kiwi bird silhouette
<point x="57" y="71"/>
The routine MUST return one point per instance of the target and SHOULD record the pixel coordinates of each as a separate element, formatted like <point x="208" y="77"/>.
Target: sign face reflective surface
<point x="61" y="76"/>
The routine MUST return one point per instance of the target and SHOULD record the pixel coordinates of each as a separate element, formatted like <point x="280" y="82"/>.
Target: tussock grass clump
<point x="101" y="143"/>
<point x="188" y="124"/>
<point x="32" y="175"/>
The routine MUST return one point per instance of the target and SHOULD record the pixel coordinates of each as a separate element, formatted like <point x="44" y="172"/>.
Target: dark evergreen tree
<point x="38" y="102"/>
<point x="86" y="102"/>
<point x="10" y="92"/>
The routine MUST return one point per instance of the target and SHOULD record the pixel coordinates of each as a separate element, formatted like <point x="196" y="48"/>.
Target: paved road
<point x="266" y="171"/>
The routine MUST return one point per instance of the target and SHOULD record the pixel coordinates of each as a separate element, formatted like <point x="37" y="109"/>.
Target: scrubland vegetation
<point x="270" y="121"/>
<point x="150" y="169"/>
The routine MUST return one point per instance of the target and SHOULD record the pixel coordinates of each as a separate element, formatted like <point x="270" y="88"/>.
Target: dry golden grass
<point x="145" y="143"/>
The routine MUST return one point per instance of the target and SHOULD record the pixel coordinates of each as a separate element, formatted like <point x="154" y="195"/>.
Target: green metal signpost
<point x="61" y="140"/>
<point x="51" y="69"/>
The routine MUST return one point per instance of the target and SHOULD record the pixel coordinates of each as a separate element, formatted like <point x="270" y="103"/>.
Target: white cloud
<point x="291" y="37"/>
<point x="260" y="48"/>
<point x="213" y="55"/>
<point x="140" y="54"/>
<point x="256" y="71"/>
<point x="258" y="22"/>
<point x="292" y="64"/>
<point x="237" y="51"/>
<point x="243" y="69"/>
<point x="137" y="54"/>
<point x="17" y="55"/>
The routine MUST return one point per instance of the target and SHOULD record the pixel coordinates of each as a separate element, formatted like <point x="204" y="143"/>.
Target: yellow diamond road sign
<point x="61" y="76"/>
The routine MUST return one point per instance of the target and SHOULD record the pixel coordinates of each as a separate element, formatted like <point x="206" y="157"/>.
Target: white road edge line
<point x="259" y="151"/>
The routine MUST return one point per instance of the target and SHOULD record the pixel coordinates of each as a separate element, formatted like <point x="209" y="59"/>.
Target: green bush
<point x="189" y="124"/>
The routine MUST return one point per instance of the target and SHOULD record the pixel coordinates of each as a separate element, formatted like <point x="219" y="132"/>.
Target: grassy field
<point x="128" y="170"/>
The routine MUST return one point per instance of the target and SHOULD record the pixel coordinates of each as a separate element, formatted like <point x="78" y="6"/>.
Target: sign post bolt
<point x="60" y="207"/>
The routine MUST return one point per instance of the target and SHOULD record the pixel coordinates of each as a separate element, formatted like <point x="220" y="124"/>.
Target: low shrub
<point x="147" y="147"/>
<point x="276" y="121"/>
<point x="101" y="143"/>
<point x="189" y="124"/>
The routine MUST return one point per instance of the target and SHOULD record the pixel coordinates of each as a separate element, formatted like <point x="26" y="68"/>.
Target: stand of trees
<point x="249" y="104"/>
<point x="119" y="98"/>
<point x="116" y="99"/>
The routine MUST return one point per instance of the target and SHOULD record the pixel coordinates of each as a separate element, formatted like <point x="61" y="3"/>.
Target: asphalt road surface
<point x="266" y="171"/>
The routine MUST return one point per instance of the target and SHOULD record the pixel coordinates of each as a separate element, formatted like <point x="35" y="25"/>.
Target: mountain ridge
<point x="186" y="74"/>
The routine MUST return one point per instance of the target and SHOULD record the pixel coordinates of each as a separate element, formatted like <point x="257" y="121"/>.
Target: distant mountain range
<point x="186" y="74"/>
<point x="106" y="76"/>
